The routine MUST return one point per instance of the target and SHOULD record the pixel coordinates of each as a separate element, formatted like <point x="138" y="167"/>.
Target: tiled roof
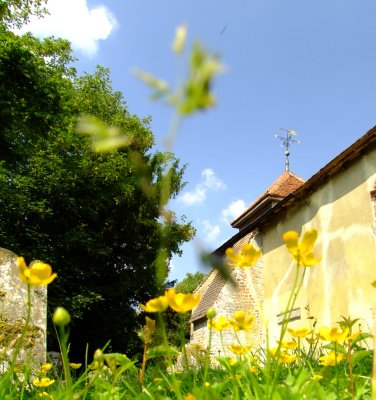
<point x="209" y="296"/>
<point x="285" y="184"/>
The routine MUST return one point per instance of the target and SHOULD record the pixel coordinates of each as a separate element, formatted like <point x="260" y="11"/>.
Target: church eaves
<point x="285" y="184"/>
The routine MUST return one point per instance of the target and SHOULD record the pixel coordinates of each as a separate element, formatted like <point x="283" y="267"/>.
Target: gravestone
<point x="13" y="306"/>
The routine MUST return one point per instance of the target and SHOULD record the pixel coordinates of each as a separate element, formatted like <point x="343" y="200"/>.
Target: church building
<point x="339" y="201"/>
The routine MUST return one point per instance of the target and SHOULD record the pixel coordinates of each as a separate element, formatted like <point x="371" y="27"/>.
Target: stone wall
<point x="13" y="305"/>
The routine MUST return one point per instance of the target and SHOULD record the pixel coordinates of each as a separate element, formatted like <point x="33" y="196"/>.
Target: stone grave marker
<point x="13" y="305"/>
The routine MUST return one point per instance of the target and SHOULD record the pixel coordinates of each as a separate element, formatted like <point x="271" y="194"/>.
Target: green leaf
<point x="162" y="350"/>
<point x="336" y="347"/>
<point x="359" y="356"/>
<point x="119" y="358"/>
<point x="362" y="336"/>
<point x="212" y="261"/>
<point x="105" y="138"/>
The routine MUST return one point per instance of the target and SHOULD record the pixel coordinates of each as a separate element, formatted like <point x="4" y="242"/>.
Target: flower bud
<point x="61" y="317"/>
<point x="211" y="313"/>
<point x="98" y="355"/>
<point x="180" y="38"/>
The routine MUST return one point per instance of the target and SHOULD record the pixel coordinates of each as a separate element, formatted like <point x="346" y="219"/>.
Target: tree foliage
<point x="87" y="214"/>
<point x="15" y="13"/>
<point x="190" y="283"/>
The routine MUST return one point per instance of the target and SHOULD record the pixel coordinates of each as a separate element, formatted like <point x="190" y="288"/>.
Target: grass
<point x="322" y="363"/>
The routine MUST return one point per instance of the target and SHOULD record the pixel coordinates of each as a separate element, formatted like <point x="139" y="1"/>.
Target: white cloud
<point x="195" y="197"/>
<point x="209" y="182"/>
<point x="211" y="232"/>
<point x="233" y="210"/>
<point x="73" y="20"/>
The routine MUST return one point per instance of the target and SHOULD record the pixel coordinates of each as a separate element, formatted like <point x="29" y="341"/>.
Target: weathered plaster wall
<point x="342" y="212"/>
<point x="13" y="299"/>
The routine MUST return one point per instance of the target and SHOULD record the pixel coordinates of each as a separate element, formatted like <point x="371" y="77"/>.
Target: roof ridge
<point x="275" y="190"/>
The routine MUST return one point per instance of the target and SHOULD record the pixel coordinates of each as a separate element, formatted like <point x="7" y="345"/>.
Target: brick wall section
<point x="247" y="296"/>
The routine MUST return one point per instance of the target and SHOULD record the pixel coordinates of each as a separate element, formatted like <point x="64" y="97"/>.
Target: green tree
<point x="94" y="217"/>
<point x="190" y="283"/>
<point x="15" y="13"/>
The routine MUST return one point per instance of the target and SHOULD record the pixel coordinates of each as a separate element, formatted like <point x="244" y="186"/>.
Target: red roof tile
<point x="285" y="184"/>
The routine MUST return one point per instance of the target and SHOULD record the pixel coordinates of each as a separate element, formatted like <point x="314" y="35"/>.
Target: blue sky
<point x="309" y="66"/>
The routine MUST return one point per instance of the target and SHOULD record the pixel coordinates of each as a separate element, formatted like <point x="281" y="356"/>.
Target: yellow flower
<point x="283" y="357"/>
<point x="181" y="302"/>
<point x="75" y="365"/>
<point x="43" y="382"/>
<point x="158" y="304"/>
<point x="239" y="349"/>
<point x="246" y="258"/>
<point x="45" y="394"/>
<point x="286" y="358"/>
<point x="46" y="367"/>
<point x="272" y="351"/>
<point x="241" y="321"/>
<point x="189" y="396"/>
<point x="232" y="361"/>
<point x="219" y="324"/>
<point x="38" y="274"/>
<point x="207" y="384"/>
<point x="331" y="359"/>
<point x="332" y="334"/>
<point x="353" y="335"/>
<point x="317" y="377"/>
<point x="302" y="251"/>
<point x="311" y="341"/>
<point x="288" y="345"/>
<point x="299" y="333"/>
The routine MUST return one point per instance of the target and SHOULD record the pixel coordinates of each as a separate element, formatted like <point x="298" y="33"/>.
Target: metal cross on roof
<point x="286" y="142"/>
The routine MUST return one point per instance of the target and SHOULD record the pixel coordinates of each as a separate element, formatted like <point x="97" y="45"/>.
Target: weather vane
<point x="286" y="142"/>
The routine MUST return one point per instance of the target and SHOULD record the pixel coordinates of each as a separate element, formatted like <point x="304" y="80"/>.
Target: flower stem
<point x="286" y="318"/>
<point x="207" y="358"/>
<point x="351" y="377"/>
<point x="64" y="354"/>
